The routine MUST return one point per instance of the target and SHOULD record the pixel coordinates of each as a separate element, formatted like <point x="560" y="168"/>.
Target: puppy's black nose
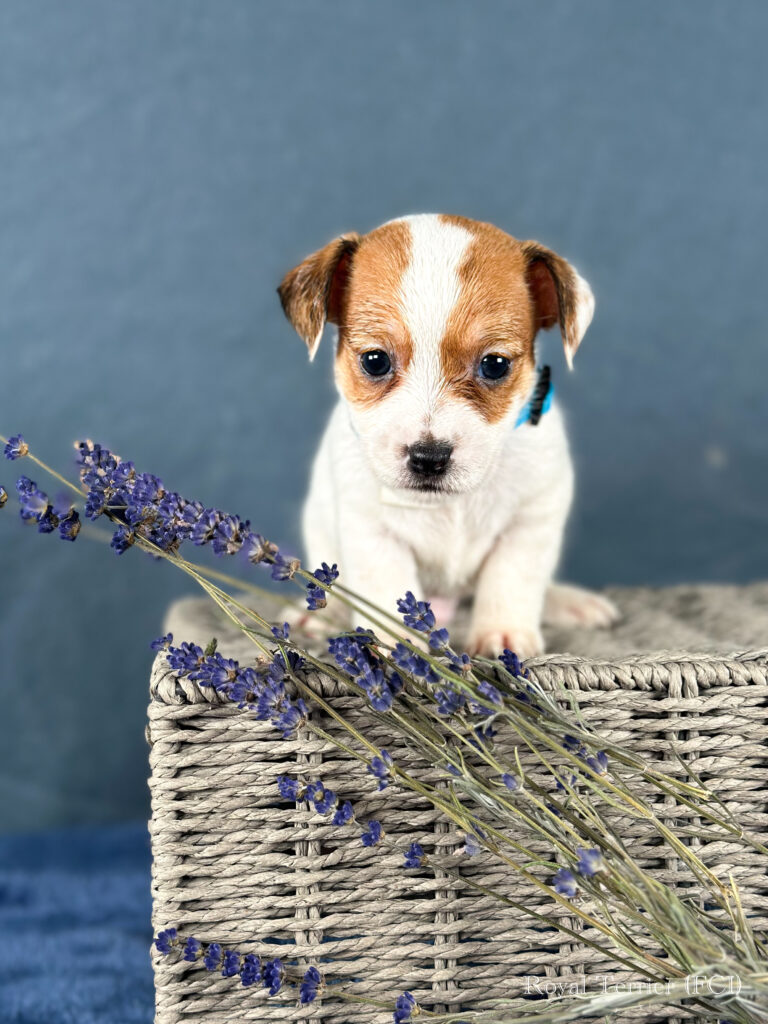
<point x="429" y="458"/>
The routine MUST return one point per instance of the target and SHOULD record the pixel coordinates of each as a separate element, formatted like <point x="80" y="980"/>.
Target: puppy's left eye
<point x="493" y="367"/>
<point x="375" y="362"/>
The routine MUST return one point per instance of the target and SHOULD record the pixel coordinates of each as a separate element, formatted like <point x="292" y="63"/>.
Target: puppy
<point x="444" y="469"/>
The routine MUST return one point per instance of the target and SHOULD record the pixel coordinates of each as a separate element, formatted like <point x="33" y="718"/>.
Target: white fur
<point x="497" y="534"/>
<point x="585" y="310"/>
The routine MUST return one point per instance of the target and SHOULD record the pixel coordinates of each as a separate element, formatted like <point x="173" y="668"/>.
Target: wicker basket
<point x="234" y="864"/>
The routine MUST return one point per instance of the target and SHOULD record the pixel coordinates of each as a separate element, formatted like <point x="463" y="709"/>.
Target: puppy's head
<point x="437" y="318"/>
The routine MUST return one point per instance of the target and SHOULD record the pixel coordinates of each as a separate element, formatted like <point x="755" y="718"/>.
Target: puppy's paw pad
<point x="526" y="643"/>
<point x="573" y="606"/>
<point x="444" y="609"/>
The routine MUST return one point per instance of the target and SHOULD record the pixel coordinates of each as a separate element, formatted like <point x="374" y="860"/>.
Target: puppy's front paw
<point x="565" y="605"/>
<point x="490" y="643"/>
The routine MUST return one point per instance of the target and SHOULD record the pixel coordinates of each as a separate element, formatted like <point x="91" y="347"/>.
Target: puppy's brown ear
<point x="313" y="292"/>
<point x="560" y="296"/>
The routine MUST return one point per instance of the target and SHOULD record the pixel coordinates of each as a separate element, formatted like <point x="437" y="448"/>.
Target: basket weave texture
<point x="235" y="864"/>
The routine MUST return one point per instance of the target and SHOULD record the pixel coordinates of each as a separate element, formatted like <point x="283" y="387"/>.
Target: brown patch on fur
<point x="372" y="315"/>
<point x="510" y="290"/>
<point x="313" y="292"/>
<point x="494" y="315"/>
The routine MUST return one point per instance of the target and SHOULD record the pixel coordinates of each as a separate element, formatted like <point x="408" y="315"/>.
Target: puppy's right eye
<point x="375" y="363"/>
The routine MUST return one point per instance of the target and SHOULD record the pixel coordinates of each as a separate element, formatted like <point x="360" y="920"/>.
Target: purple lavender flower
<point x="310" y="985"/>
<point x="414" y="663"/>
<point x="218" y="672"/>
<point x="526" y="697"/>
<point x="512" y="664"/>
<point x="510" y="781"/>
<point x="405" y="1005"/>
<point x="344" y="814"/>
<point x="290" y="789"/>
<point x="449" y="701"/>
<point x="284" y="568"/>
<point x="292" y="716"/>
<point x="163" y="518"/>
<point x="122" y="539"/>
<point x="95" y="502"/>
<point x="414" y="856"/>
<point x="490" y="691"/>
<point x="162" y="643"/>
<point x="326" y="574"/>
<point x="3" y="496"/>
<point x="15" y="448"/>
<point x="192" y="950"/>
<point x="380" y="689"/>
<point x="272" y="975"/>
<point x="229" y="535"/>
<point x="281" y="632"/>
<point x="48" y="521"/>
<point x="353" y="656"/>
<point x="316" y="598"/>
<point x="439" y="638"/>
<point x="483" y="735"/>
<point x="597" y="762"/>
<point x="380" y="768"/>
<point x="258" y="549"/>
<point x="250" y="972"/>
<point x="212" y="958"/>
<point x="69" y="525"/>
<point x="231" y="964"/>
<point x="33" y="502"/>
<point x="186" y="658"/>
<point x="471" y="845"/>
<point x="416" y="614"/>
<point x="325" y="800"/>
<point x="565" y="883"/>
<point x="166" y="940"/>
<point x="95" y="461"/>
<point x="351" y="653"/>
<point x="205" y="527"/>
<point x="265" y="695"/>
<point x="589" y="863"/>
<point x="373" y="835"/>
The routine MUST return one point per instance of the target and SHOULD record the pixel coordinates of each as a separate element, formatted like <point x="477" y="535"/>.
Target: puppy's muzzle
<point x="429" y="458"/>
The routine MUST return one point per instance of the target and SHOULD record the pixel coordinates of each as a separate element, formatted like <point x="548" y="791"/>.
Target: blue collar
<point x="540" y="401"/>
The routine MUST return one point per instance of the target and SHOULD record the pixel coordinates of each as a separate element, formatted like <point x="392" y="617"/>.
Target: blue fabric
<point x="75" y="927"/>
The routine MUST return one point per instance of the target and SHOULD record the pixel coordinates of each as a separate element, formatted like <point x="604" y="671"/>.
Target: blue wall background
<point x="161" y="166"/>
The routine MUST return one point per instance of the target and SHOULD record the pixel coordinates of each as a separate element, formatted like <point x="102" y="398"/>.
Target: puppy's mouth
<point x="427" y="486"/>
<point x="449" y="481"/>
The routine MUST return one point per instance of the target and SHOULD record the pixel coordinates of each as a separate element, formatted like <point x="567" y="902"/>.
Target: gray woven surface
<point x="703" y="618"/>
<point x="234" y="864"/>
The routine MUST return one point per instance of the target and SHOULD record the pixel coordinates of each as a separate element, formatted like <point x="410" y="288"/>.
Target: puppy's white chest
<point x="450" y="539"/>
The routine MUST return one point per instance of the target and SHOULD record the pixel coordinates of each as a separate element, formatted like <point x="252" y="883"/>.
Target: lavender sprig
<point x="15" y="448"/>
<point x="260" y="689"/>
<point x="156" y="517"/>
<point x="251" y="969"/>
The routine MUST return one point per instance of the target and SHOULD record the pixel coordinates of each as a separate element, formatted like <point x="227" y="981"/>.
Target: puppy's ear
<point x="560" y="296"/>
<point x="313" y="292"/>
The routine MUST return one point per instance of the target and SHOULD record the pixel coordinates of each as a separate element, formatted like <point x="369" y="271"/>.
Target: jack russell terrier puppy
<point x="444" y="470"/>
